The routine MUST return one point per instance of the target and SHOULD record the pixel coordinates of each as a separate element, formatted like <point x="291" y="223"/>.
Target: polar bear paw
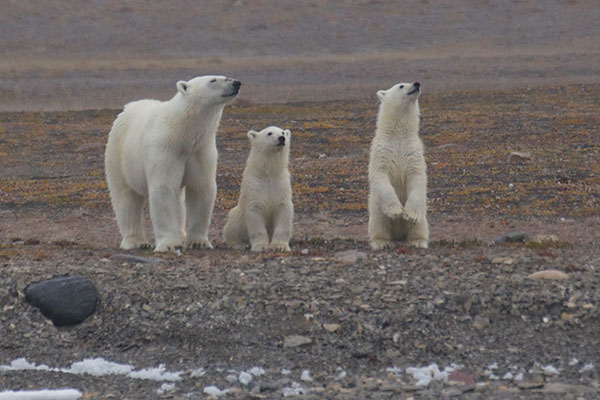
<point x="381" y="244"/>
<point x="421" y="244"/>
<point x="131" y="243"/>
<point x="202" y="243"/>
<point x="167" y="245"/>
<point x="259" y="246"/>
<point x="393" y="211"/>
<point x="413" y="215"/>
<point x="279" y="246"/>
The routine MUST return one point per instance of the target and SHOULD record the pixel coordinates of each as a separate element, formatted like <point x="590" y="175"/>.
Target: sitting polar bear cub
<point x="156" y="149"/>
<point x="397" y="172"/>
<point x="264" y="214"/>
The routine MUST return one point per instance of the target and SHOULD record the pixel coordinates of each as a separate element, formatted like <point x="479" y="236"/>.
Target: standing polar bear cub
<point x="264" y="214"/>
<point x="157" y="149"/>
<point x="397" y="172"/>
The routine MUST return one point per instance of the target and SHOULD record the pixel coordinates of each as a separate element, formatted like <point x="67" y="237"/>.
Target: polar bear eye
<point x="401" y="86"/>
<point x="270" y="133"/>
<point x="213" y="80"/>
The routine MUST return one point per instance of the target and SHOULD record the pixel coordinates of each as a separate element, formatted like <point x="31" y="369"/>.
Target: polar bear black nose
<point x="237" y="84"/>
<point x="417" y="85"/>
<point x="281" y="139"/>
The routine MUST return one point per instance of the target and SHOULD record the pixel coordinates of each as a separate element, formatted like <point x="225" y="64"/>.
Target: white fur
<point x="156" y="150"/>
<point x="264" y="214"/>
<point x="397" y="172"/>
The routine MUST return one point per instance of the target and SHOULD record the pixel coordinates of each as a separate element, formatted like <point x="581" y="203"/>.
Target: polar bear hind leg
<point x="129" y="207"/>
<point x="235" y="232"/>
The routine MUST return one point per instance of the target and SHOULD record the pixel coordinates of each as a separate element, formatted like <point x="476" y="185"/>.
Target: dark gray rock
<point x="66" y="300"/>
<point x="513" y="237"/>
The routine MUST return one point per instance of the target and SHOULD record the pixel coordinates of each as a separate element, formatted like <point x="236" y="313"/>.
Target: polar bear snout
<point x="416" y="88"/>
<point x="234" y="90"/>
<point x="281" y="141"/>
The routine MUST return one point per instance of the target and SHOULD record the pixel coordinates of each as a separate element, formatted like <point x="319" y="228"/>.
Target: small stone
<point x="451" y="392"/>
<point x="562" y="388"/>
<point x="331" y="327"/>
<point x="481" y="322"/>
<point x="550" y="274"/>
<point x="130" y="258"/>
<point x="461" y="377"/>
<point x="503" y="260"/>
<point x="513" y="237"/>
<point x="32" y="241"/>
<point x="306" y="376"/>
<point x="541" y="238"/>
<point x="66" y="300"/>
<point x="245" y="378"/>
<point x="349" y="257"/>
<point x="296" y="340"/>
<point x="538" y="383"/>
<point x="304" y="252"/>
<point x="518" y="157"/>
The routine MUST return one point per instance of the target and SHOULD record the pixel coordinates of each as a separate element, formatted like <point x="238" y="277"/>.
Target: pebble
<point x="541" y="238"/>
<point x="481" y="322"/>
<point x="518" y="157"/>
<point x="296" y="340"/>
<point x="503" y="260"/>
<point x="331" y="327"/>
<point x="130" y="258"/>
<point x="550" y="274"/>
<point x="349" y="257"/>
<point x="513" y="237"/>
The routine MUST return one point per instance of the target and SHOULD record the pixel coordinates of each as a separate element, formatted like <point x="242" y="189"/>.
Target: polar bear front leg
<point x="257" y="229"/>
<point x="282" y="228"/>
<point x="380" y="236"/>
<point x="201" y="192"/>
<point x="415" y="208"/>
<point x="128" y="207"/>
<point x="164" y="191"/>
<point x="382" y="188"/>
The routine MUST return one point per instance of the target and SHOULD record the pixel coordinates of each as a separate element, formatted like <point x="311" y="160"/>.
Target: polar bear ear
<point x="252" y="134"/>
<point x="182" y="86"/>
<point x="381" y="94"/>
<point x="287" y="132"/>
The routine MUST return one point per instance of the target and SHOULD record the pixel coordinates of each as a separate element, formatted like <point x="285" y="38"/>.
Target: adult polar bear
<point x="397" y="172"/>
<point x="156" y="149"/>
<point x="264" y="213"/>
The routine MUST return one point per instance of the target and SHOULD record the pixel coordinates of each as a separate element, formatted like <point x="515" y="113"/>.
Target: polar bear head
<point x="401" y="94"/>
<point x="271" y="138"/>
<point x="209" y="89"/>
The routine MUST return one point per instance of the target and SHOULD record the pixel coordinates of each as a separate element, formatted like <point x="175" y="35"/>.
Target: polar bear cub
<point x="264" y="213"/>
<point x="157" y="149"/>
<point x="397" y="172"/>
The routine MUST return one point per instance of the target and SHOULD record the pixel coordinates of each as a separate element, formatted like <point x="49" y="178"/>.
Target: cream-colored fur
<point x="155" y="151"/>
<point x="397" y="172"/>
<point x="264" y="214"/>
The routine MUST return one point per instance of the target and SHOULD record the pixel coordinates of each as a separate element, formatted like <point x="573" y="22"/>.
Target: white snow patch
<point x="586" y="367"/>
<point x="196" y="373"/>
<point x="341" y="375"/>
<point x="46" y="394"/>
<point x="245" y="378"/>
<point x="165" y="387"/>
<point x="550" y="369"/>
<point x="519" y="377"/>
<point x="573" y="362"/>
<point x="285" y="371"/>
<point x="215" y="391"/>
<point x="425" y="375"/>
<point x="493" y="366"/>
<point x="306" y="376"/>
<point x="394" y="370"/>
<point x="508" y="376"/>
<point x="256" y="371"/>
<point x="98" y="367"/>
<point x="159" y="374"/>
<point x="294" y="390"/>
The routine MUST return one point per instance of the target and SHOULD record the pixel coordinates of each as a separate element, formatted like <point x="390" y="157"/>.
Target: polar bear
<point x="264" y="213"/>
<point x="166" y="152"/>
<point x="397" y="172"/>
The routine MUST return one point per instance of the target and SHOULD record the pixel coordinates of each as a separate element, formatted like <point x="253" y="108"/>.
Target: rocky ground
<point x="355" y="319"/>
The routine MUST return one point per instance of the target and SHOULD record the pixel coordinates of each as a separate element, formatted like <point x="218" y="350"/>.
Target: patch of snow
<point x="425" y="375"/>
<point x="341" y="375"/>
<point x="294" y="390"/>
<point x="573" y="362"/>
<point x="285" y="371"/>
<point x="245" y="378"/>
<point x="493" y="366"/>
<point x="46" y="394"/>
<point x="21" y="364"/>
<point x="508" y="376"/>
<point x="550" y="369"/>
<point x="165" y="387"/>
<point x="215" y="391"/>
<point x="394" y="370"/>
<point x="256" y="371"/>
<point x="586" y="367"/>
<point x="306" y="376"/>
<point x="519" y="377"/>
<point x="156" y="374"/>
<point x="196" y="373"/>
<point x="98" y="367"/>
